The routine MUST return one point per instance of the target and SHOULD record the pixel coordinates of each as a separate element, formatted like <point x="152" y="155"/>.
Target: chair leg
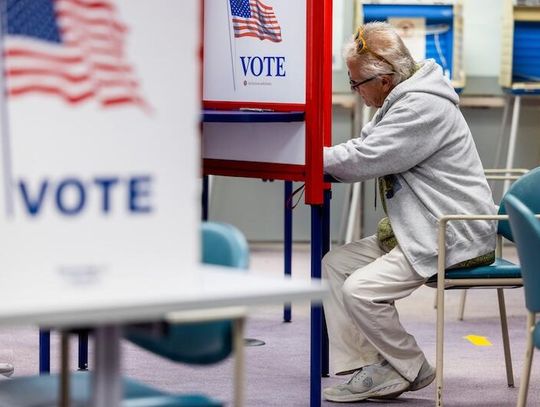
<point x="462" y="305"/>
<point x="506" y="339"/>
<point x="64" y="370"/>
<point x="83" y="350"/>
<point x="239" y="361"/>
<point x="524" y="385"/>
<point x="440" y="345"/>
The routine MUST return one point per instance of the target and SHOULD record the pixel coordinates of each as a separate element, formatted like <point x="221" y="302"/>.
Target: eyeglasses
<point x="361" y="47"/>
<point x="356" y="84"/>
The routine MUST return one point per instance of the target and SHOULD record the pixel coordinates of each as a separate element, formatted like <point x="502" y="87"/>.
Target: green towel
<point x="385" y="235"/>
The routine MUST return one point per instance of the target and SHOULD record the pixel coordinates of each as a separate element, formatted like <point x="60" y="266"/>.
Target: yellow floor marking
<point x="478" y="340"/>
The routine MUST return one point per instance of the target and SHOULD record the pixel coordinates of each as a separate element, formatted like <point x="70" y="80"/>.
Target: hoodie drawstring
<point x="375" y="192"/>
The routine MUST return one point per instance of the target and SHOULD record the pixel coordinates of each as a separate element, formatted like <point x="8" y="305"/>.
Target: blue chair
<point x="31" y="391"/>
<point x="526" y="229"/>
<point x="499" y="275"/>
<point x="205" y="337"/>
<point x="196" y="340"/>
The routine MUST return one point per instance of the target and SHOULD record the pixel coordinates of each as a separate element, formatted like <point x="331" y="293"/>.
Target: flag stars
<point x="33" y="18"/>
<point x="240" y="8"/>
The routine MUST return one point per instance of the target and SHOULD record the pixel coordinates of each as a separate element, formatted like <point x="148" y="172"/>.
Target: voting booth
<point x="430" y="29"/>
<point x="91" y="154"/>
<point x="267" y="98"/>
<point x="267" y="87"/>
<point x="520" y="61"/>
<point x="99" y="148"/>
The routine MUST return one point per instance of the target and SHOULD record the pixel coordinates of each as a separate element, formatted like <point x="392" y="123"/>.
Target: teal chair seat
<point x="500" y="268"/>
<point x="200" y="343"/>
<point x="536" y="335"/>
<point x="43" y="391"/>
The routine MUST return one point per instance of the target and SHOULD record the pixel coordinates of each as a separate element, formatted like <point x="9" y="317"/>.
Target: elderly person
<point x="420" y="149"/>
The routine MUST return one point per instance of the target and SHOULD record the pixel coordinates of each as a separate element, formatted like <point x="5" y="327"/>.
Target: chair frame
<point x="444" y="282"/>
<point x="529" y="351"/>
<point x="493" y="174"/>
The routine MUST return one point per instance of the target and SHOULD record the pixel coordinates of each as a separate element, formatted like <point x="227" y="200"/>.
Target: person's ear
<point x="386" y="81"/>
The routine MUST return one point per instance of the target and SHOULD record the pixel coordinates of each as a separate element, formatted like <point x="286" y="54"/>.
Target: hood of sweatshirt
<point x="428" y="78"/>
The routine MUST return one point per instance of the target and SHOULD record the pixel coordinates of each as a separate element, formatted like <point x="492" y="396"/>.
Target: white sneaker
<point x="6" y="369"/>
<point x="373" y="381"/>
<point x="425" y="376"/>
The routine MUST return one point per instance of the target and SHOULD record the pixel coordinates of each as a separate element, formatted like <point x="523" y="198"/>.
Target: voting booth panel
<point x="255" y="53"/>
<point x="430" y="29"/>
<point x="99" y="133"/>
<point x="267" y="90"/>
<point x="520" y="46"/>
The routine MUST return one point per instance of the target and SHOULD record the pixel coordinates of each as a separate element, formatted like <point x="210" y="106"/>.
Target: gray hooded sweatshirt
<point x="420" y="143"/>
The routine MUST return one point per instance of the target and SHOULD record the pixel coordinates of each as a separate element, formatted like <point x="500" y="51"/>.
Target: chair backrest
<point x="201" y="342"/>
<point x="526" y="189"/>
<point x="526" y="231"/>
<point x="224" y="245"/>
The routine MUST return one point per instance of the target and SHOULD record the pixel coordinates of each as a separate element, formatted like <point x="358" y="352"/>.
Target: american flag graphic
<point x="73" y="49"/>
<point x="252" y="18"/>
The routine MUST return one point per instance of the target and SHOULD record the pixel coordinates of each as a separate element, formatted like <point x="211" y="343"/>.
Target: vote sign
<point x="255" y="51"/>
<point x="98" y="137"/>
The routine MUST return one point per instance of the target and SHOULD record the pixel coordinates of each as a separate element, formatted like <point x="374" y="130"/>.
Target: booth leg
<point x="353" y="212"/>
<point x="316" y="310"/>
<point x="325" y="249"/>
<point x="83" y="351"/>
<point x="44" y="352"/>
<point x="287" y="250"/>
<point x="204" y="198"/>
<point x="513" y="137"/>
<point x="501" y="142"/>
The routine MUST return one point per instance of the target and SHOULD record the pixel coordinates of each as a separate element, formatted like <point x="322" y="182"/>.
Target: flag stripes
<point x="88" y="62"/>
<point x="252" y="18"/>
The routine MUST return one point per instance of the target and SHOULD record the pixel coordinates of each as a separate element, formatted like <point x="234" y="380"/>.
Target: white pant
<point x="363" y="323"/>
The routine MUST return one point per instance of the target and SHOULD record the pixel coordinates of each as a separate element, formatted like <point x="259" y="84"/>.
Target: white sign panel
<point x="413" y="33"/>
<point x="337" y="35"/>
<point x="98" y="135"/>
<point x="280" y="143"/>
<point x="255" y="51"/>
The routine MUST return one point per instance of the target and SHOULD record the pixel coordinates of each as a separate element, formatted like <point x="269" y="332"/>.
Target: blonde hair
<point x="378" y="49"/>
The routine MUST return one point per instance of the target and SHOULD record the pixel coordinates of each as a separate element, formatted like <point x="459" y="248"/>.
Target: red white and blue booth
<point x="267" y="90"/>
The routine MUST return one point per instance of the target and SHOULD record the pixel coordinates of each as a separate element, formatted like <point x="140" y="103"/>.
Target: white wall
<point x="481" y="36"/>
